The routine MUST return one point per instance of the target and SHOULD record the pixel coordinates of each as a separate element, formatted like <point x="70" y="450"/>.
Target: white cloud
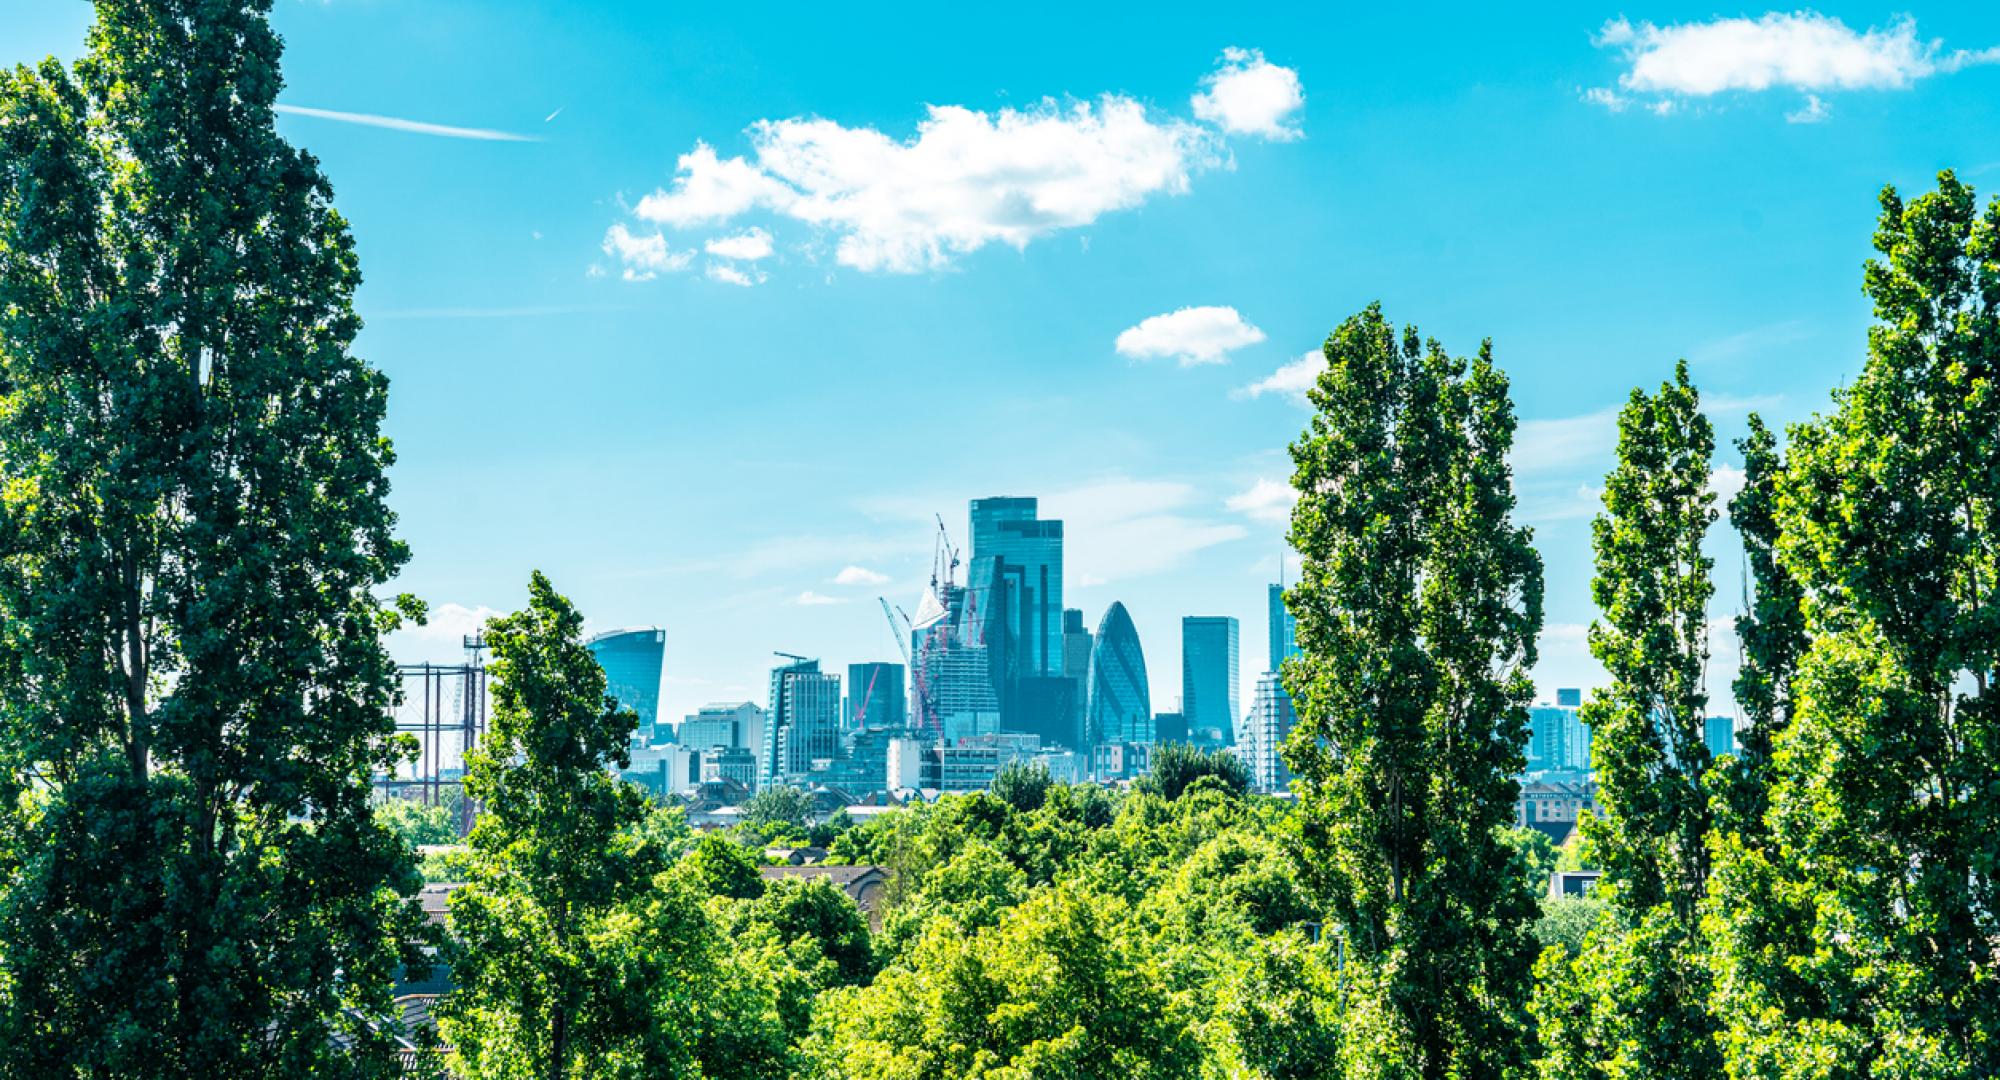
<point x="1725" y="481"/>
<point x="730" y="275"/>
<point x="644" y="257"/>
<point x="1548" y="445"/>
<point x="746" y="246"/>
<point x="442" y="638"/>
<point x="1803" y="50"/>
<point x="860" y="575"/>
<point x="964" y="180"/>
<point x="1194" y="335"/>
<point x="1292" y="380"/>
<point x="810" y="598"/>
<point x="1267" y="500"/>
<point x="1120" y="529"/>
<point x="1812" y="112"/>
<point x="1248" y="95"/>
<point x="395" y="123"/>
<point x="709" y="189"/>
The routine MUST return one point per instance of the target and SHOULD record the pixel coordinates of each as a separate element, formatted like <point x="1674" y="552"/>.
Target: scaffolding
<point x="443" y="707"/>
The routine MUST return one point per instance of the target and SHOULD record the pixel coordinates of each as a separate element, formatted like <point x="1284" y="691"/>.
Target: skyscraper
<point x="738" y="724"/>
<point x="1284" y="630"/>
<point x="1076" y="667"/>
<point x="633" y="660"/>
<point x="1719" y="732"/>
<point x="1120" y="708"/>
<point x="1208" y="677"/>
<point x="804" y="722"/>
<point x="875" y="697"/>
<point x="1271" y="720"/>
<point x="1032" y="550"/>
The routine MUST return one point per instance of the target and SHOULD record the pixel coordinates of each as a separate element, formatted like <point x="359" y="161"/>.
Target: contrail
<point x="416" y="127"/>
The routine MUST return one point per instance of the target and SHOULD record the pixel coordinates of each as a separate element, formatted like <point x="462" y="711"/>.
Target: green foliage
<point x="1566" y="924"/>
<point x="1172" y="768"/>
<point x="1634" y="1000"/>
<point x="718" y="866"/>
<point x="193" y="529"/>
<point x="1418" y="606"/>
<point x="1022" y="785"/>
<point x="1535" y="856"/>
<point x="562" y="953"/>
<point x="778" y="813"/>
<point x="1280" y="1012"/>
<point x="1047" y="992"/>
<point x="1853" y="926"/>
<point x="418" y="824"/>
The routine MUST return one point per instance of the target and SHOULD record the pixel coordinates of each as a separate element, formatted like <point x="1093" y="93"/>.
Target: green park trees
<point x="193" y="528"/>
<point x="1418" y="607"/>
<point x="1634" y="1000"/>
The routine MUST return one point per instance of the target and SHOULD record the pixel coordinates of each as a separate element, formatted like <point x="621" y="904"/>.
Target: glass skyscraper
<point x="1208" y="677"/>
<point x="1120" y="707"/>
<point x="633" y="660"/>
<point x="1270" y="722"/>
<point x="875" y="697"/>
<point x="1284" y="630"/>
<point x="804" y="722"/>
<point x="1032" y="550"/>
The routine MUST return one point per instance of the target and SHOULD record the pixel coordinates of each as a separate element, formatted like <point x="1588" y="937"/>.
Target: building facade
<point x="1271" y="719"/>
<point x="1120" y="707"/>
<point x="1283" y="630"/>
<point x="1032" y="551"/>
<point x="633" y="660"/>
<point x="803" y="725"/>
<point x="876" y="697"/>
<point x="1208" y="678"/>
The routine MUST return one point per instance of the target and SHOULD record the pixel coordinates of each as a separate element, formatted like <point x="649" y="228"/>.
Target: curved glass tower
<point x="1120" y="708"/>
<point x="633" y="660"/>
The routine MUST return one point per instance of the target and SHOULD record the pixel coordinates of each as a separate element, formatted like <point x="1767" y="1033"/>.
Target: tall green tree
<point x="193" y="694"/>
<point x="1638" y="1004"/>
<point x="1418" y="607"/>
<point x="1858" y="941"/>
<point x="553" y="968"/>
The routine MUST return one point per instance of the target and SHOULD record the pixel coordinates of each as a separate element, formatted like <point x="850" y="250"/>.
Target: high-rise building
<point x="1076" y="668"/>
<point x="1031" y="551"/>
<point x="875" y="696"/>
<point x="633" y="660"/>
<point x="1208" y="677"/>
<point x="1284" y="629"/>
<point x="804" y="722"/>
<point x="1719" y="732"/>
<point x="1169" y="727"/>
<point x="1120" y="707"/>
<point x="732" y="724"/>
<point x="1569" y="698"/>
<point x="1271" y="720"/>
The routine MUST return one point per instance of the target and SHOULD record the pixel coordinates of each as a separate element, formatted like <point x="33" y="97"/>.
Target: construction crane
<point x="918" y="682"/>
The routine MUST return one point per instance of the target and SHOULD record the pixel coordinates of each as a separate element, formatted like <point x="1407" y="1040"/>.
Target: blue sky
<point x="967" y="215"/>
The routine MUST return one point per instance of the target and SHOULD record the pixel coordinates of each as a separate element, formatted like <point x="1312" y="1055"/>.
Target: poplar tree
<point x="1859" y="941"/>
<point x="1418" y="607"/>
<point x="1634" y="1002"/>
<point x="193" y="693"/>
<point x="568" y="961"/>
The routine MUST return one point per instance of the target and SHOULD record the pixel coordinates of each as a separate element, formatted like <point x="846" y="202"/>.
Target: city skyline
<point x="1134" y="358"/>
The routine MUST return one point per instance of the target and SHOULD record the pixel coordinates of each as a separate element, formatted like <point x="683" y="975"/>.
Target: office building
<point x="729" y="764"/>
<point x="1271" y="720"/>
<point x="1120" y="707"/>
<point x="663" y="768"/>
<point x="1719" y="732"/>
<point x="876" y="698"/>
<point x="1208" y="678"/>
<point x="738" y="723"/>
<point x="633" y="660"/>
<point x="1032" y="553"/>
<point x="1283" y="630"/>
<point x="1076" y="667"/>
<point x="803" y="725"/>
<point x="1169" y="727"/>
<point x="1569" y="698"/>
